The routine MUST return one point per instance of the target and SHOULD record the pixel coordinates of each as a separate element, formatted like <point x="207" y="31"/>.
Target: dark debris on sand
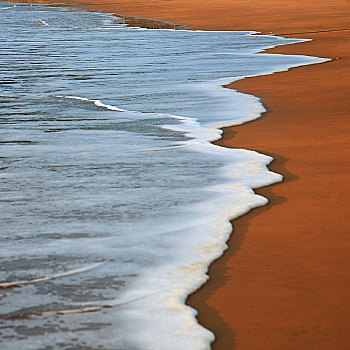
<point x="147" y="23"/>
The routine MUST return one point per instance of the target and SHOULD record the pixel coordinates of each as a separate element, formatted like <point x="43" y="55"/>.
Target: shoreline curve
<point x="283" y="283"/>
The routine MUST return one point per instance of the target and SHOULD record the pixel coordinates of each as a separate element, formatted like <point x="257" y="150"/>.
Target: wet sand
<point x="284" y="283"/>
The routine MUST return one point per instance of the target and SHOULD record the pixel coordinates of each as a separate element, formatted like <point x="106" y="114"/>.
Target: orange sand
<point x="284" y="283"/>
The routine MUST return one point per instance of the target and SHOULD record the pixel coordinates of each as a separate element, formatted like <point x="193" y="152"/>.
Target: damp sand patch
<point x="147" y="23"/>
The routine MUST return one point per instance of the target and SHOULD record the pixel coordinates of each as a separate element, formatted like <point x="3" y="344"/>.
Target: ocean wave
<point x="97" y="103"/>
<point x="146" y="200"/>
<point x="21" y="283"/>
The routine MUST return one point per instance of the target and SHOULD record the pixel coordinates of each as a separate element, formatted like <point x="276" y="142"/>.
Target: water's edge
<point x="216" y="135"/>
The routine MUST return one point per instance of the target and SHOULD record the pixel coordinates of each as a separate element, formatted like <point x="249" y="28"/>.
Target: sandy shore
<point x="284" y="283"/>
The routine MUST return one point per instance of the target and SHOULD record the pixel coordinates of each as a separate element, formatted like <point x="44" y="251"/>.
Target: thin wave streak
<point x="4" y="285"/>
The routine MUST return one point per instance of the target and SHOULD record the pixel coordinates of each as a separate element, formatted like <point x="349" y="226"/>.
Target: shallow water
<point x="113" y="202"/>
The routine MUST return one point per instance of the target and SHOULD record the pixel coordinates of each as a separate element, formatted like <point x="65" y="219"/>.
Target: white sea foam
<point x="48" y="278"/>
<point x="98" y="103"/>
<point x="42" y="23"/>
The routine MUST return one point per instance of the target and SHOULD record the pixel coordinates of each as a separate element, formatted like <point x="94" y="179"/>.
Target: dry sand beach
<point x="284" y="282"/>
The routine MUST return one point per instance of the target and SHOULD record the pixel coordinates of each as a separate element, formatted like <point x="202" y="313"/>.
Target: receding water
<point x="113" y="201"/>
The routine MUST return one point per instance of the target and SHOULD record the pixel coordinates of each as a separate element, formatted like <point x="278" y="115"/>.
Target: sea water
<point x="113" y="200"/>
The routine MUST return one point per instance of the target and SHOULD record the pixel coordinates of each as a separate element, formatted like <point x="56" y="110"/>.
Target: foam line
<point x="160" y="149"/>
<point x="4" y="285"/>
<point x="42" y="23"/>
<point x="97" y="103"/>
<point x="82" y="310"/>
